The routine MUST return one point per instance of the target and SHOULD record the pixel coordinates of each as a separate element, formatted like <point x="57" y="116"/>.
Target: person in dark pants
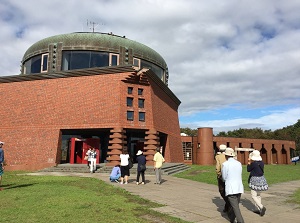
<point x="1" y="163"/>
<point x="141" y="167"/>
<point x="220" y="159"/>
<point x="232" y="175"/>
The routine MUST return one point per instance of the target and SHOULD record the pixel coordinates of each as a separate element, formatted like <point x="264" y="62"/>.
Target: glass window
<point x="113" y="59"/>
<point x="130" y="115"/>
<point x="136" y="62"/>
<point x="129" y="90"/>
<point x="142" y="116"/>
<point x="44" y="64"/>
<point x="33" y="65"/>
<point x="156" y="69"/>
<point x="140" y="91"/>
<point x="129" y="102"/>
<point x="141" y="103"/>
<point x="84" y="59"/>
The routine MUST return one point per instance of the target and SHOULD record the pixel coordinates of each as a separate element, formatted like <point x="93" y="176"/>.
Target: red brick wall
<point x="35" y="111"/>
<point x="166" y="121"/>
<point x="273" y="148"/>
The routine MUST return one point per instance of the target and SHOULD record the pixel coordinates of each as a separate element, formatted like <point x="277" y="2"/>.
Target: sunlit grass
<point x="71" y="199"/>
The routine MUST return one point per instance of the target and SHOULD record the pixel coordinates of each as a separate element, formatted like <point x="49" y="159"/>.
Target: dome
<point x="128" y="52"/>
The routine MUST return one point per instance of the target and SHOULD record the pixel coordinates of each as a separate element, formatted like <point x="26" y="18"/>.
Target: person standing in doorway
<point x="220" y="159"/>
<point x="141" y="167"/>
<point x="257" y="181"/>
<point x="92" y="153"/>
<point x="124" y="166"/>
<point x="1" y="163"/>
<point x="232" y="175"/>
<point x="158" y="161"/>
<point x="89" y="157"/>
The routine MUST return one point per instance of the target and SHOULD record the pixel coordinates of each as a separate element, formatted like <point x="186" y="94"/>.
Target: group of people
<point x="229" y="176"/>
<point x="92" y="159"/>
<point x="120" y="173"/>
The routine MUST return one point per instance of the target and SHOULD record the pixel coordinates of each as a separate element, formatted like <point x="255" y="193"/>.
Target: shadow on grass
<point x="13" y="186"/>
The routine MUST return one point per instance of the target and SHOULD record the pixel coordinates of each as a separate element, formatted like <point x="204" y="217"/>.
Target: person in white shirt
<point x="124" y="166"/>
<point x="92" y="156"/>
<point x="232" y="176"/>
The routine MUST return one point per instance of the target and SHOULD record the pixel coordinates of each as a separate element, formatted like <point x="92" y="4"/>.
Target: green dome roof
<point x="96" y="41"/>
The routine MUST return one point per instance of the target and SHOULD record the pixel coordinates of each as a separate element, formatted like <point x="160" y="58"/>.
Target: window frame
<point x="140" y="90"/>
<point x="144" y="116"/>
<point x="129" y="99"/>
<point x="131" y="90"/>
<point x="138" y="62"/>
<point x="45" y="58"/>
<point x="130" y="117"/>
<point x="111" y="59"/>
<point x="142" y="100"/>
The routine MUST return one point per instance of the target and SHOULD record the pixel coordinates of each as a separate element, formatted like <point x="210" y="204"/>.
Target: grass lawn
<point x="72" y="199"/>
<point x="273" y="173"/>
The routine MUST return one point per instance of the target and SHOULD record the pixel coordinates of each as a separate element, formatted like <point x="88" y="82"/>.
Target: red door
<point x="92" y="142"/>
<point x="79" y="147"/>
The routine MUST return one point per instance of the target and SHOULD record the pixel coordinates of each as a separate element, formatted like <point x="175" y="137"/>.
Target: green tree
<point x="189" y="131"/>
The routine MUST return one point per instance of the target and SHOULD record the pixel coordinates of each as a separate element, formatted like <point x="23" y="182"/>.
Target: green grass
<point x="273" y="173"/>
<point x="31" y="199"/>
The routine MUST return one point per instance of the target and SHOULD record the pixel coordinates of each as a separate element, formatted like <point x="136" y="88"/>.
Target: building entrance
<point x="79" y="147"/>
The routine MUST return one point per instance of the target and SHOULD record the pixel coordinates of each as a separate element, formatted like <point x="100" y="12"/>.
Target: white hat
<point x="229" y="152"/>
<point x="1" y="142"/>
<point x="255" y="155"/>
<point x="139" y="153"/>
<point x="222" y="147"/>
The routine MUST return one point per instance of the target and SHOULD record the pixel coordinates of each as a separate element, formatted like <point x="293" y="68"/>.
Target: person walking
<point x="141" y="167"/>
<point x="232" y="175"/>
<point x="1" y="163"/>
<point x="257" y="181"/>
<point x="220" y="159"/>
<point x="125" y="173"/>
<point x="89" y="157"/>
<point x="115" y="174"/>
<point x="158" y="161"/>
<point x="92" y="153"/>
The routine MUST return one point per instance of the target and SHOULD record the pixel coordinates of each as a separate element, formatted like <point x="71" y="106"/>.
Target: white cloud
<point x="219" y="53"/>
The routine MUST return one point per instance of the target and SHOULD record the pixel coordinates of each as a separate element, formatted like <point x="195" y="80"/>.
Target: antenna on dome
<point x="92" y="25"/>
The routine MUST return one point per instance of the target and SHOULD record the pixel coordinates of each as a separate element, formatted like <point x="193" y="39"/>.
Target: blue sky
<point x="233" y="64"/>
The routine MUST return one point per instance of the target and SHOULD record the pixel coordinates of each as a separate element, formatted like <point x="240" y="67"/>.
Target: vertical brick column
<point x="151" y="143"/>
<point x="205" y="150"/>
<point x="117" y="141"/>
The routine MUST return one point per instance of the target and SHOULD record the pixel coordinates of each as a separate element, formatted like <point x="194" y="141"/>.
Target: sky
<point x="232" y="64"/>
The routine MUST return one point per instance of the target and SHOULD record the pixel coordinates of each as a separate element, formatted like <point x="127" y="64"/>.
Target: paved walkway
<point x="199" y="202"/>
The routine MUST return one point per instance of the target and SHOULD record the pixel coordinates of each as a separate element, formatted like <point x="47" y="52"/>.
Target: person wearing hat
<point x="141" y="167"/>
<point x="257" y="181"/>
<point x="232" y="175"/>
<point x="220" y="159"/>
<point x="1" y="163"/>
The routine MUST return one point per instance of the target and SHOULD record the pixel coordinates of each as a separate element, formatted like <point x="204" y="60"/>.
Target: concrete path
<point x="199" y="202"/>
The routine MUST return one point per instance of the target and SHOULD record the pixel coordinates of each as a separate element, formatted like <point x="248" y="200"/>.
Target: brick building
<point x="88" y="89"/>
<point x="201" y="149"/>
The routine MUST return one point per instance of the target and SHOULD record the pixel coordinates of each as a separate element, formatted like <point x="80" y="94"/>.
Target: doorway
<point x="79" y="147"/>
